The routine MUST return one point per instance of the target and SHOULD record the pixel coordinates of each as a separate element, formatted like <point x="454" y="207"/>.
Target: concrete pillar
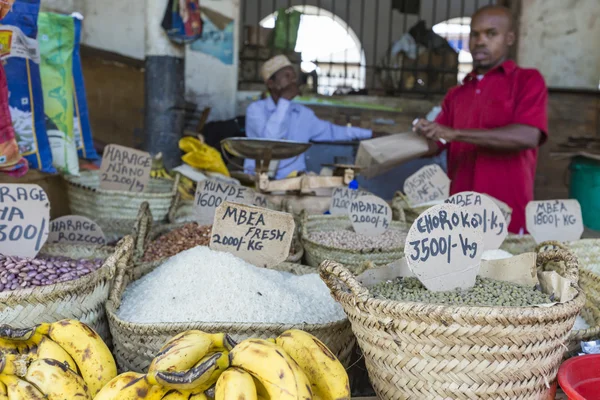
<point x="164" y="88"/>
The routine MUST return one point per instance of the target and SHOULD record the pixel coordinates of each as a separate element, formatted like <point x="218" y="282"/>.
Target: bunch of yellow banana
<point x="158" y="169"/>
<point x="187" y="188"/>
<point x="56" y="361"/>
<point x="187" y="366"/>
<point x="202" y="366"/>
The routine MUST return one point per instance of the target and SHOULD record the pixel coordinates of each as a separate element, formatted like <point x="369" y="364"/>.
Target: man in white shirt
<point x="277" y="117"/>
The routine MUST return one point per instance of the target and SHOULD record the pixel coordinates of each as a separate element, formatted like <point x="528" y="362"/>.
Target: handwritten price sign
<point x="428" y="184"/>
<point x="24" y="219"/>
<point x="444" y="247"/>
<point x="488" y="215"/>
<point x="341" y="199"/>
<point x="210" y="194"/>
<point x="370" y="215"/>
<point x="260" y="236"/>
<point x="75" y="229"/>
<point x="125" y="169"/>
<point x="559" y="220"/>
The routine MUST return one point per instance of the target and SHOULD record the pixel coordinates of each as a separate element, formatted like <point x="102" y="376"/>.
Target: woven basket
<point x="424" y="351"/>
<point x="81" y="299"/>
<point x="402" y="211"/>
<point x="135" y="345"/>
<point x="87" y="199"/>
<point x="519" y="244"/>
<point x="586" y="251"/>
<point x="355" y="260"/>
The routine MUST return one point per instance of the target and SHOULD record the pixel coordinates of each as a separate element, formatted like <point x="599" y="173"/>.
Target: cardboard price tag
<point x="488" y="214"/>
<point x="444" y="247"/>
<point x="341" y="199"/>
<point x="559" y="220"/>
<point x="125" y="169"/>
<point x="75" y="229"/>
<point x="261" y="237"/>
<point x="260" y="200"/>
<point x="210" y="194"/>
<point x="427" y="185"/>
<point x="370" y="215"/>
<point x="24" y="219"/>
<point x="504" y="208"/>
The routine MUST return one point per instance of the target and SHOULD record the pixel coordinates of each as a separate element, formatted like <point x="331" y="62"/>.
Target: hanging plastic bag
<point x="183" y="21"/>
<point x="202" y="156"/>
<point x="287" y="24"/>
<point x="56" y="39"/>
<point x="82" y="129"/>
<point x="21" y="58"/>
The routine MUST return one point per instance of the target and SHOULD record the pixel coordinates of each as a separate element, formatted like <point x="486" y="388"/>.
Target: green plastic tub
<point x="585" y="187"/>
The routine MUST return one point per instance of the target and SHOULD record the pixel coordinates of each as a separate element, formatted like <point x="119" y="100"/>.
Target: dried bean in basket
<point x="183" y="238"/>
<point x="42" y="271"/>
<point x="350" y="240"/>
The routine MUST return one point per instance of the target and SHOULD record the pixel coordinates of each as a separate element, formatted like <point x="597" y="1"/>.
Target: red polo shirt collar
<point x="507" y="67"/>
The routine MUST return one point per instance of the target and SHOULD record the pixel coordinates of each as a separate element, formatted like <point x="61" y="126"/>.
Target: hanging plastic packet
<point x="21" y="60"/>
<point x="82" y="129"/>
<point x="183" y="21"/>
<point x="56" y="40"/>
<point x="592" y="347"/>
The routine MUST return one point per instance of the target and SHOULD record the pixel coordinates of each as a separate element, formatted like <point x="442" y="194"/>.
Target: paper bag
<point x="377" y="156"/>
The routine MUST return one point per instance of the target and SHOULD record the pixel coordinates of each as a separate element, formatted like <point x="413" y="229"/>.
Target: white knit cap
<point x="273" y="65"/>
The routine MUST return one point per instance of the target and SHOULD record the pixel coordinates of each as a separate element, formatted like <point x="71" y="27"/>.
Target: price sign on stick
<point x="444" y="247"/>
<point x="559" y="220"/>
<point x="428" y="184"/>
<point x="260" y="236"/>
<point x="125" y="169"/>
<point x="75" y="229"/>
<point x="370" y="215"/>
<point x="24" y="219"/>
<point x="488" y="214"/>
<point x="341" y="199"/>
<point x="210" y="194"/>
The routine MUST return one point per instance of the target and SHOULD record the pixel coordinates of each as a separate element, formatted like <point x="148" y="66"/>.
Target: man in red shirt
<point x="494" y="122"/>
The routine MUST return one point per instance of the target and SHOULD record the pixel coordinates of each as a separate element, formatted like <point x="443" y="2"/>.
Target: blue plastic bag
<point x="82" y="127"/>
<point x="183" y="21"/>
<point x="26" y="99"/>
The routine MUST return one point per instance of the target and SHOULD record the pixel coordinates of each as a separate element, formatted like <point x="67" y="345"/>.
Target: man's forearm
<point x="508" y="138"/>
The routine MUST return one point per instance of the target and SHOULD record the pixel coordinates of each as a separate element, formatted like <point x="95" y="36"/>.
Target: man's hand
<point x="434" y="131"/>
<point x="290" y="91"/>
<point x="5" y="7"/>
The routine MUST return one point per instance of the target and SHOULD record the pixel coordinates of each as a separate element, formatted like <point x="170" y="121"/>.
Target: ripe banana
<point x="183" y="351"/>
<point x="3" y="392"/>
<point x="57" y="381"/>
<point x="277" y="372"/>
<point x="130" y="386"/>
<point x="326" y="374"/>
<point x="46" y="348"/>
<point x="177" y="395"/>
<point x="20" y="389"/>
<point x="235" y="384"/>
<point x="197" y="379"/>
<point x="94" y="360"/>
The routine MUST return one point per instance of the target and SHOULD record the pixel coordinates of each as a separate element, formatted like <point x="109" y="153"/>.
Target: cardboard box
<point x="377" y="156"/>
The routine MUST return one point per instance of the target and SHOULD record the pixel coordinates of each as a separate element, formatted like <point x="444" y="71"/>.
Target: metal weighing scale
<point x="310" y="192"/>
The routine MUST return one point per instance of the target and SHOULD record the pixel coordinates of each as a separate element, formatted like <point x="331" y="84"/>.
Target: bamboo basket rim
<point x="336" y="276"/>
<point x="110" y="255"/>
<point x="304" y="234"/>
<point x="74" y="181"/>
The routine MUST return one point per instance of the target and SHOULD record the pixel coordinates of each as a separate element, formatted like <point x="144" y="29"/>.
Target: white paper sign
<point x="429" y="184"/>
<point x="341" y="199"/>
<point x="489" y="215"/>
<point x="504" y="208"/>
<point x="559" y="220"/>
<point x="125" y="169"/>
<point x="260" y="200"/>
<point x="210" y="194"/>
<point x="260" y="236"/>
<point x="75" y="229"/>
<point x="370" y="215"/>
<point x="24" y="219"/>
<point x="444" y="247"/>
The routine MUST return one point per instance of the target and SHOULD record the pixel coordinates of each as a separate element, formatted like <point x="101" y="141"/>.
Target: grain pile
<point x="486" y="292"/>
<point x="203" y="285"/>
<point x="350" y="240"/>
<point x="21" y="273"/>
<point x="178" y="240"/>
